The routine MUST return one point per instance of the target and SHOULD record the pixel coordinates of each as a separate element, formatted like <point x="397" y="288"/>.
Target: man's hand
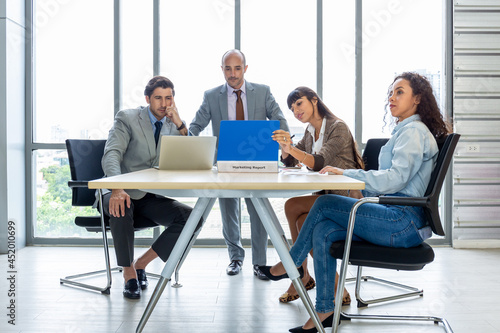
<point x="117" y="202"/>
<point x="173" y="115"/>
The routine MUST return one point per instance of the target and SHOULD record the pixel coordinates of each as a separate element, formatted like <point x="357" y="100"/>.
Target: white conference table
<point x="207" y="186"/>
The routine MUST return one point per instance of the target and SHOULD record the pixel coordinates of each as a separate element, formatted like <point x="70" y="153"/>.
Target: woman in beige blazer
<point x="327" y="141"/>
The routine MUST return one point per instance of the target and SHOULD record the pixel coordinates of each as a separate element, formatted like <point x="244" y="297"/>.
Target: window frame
<point x="31" y="146"/>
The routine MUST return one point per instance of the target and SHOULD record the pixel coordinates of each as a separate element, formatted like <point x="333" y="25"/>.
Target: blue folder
<point x="247" y="140"/>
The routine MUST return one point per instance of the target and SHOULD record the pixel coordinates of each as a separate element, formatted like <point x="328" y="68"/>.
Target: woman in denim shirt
<point x="405" y="166"/>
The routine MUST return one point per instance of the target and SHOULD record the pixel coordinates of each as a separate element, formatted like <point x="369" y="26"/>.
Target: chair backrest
<point x="85" y="164"/>
<point x="446" y="151"/>
<point x="371" y="152"/>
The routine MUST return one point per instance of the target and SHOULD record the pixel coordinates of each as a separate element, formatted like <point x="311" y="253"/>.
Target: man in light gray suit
<point x="133" y="144"/>
<point x="255" y="102"/>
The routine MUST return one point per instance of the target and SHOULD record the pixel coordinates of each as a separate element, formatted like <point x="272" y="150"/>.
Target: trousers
<point x="230" y="212"/>
<point x="151" y="208"/>
<point x="385" y="225"/>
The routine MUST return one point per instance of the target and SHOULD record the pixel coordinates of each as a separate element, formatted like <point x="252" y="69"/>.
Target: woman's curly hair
<point x="427" y="109"/>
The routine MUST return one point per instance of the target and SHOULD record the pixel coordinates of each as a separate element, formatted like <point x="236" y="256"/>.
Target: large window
<point x="193" y="36"/>
<point x="339" y="59"/>
<point x="136" y="51"/>
<point x="398" y="36"/>
<point x="280" y="46"/>
<point x="287" y="44"/>
<point x="73" y="99"/>
<point x="74" y="69"/>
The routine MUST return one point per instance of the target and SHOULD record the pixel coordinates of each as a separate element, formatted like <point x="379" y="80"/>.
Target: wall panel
<point x="476" y="79"/>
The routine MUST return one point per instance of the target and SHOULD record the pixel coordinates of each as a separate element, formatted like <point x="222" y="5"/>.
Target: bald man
<point x="219" y="104"/>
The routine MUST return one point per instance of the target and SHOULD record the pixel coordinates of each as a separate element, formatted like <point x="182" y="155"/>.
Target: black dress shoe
<point x="142" y="278"/>
<point x="234" y="267"/>
<point x="267" y="272"/>
<point x="131" y="289"/>
<point x="326" y="323"/>
<point x="257" y="272"/>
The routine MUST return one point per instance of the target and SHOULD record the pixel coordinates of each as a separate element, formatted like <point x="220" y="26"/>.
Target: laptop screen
<point x="247" y="140"/>
<point x="179" y="152"/>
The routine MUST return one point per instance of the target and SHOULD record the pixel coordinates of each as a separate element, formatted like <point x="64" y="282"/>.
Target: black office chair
<point x="409" y="259"/>
<point x="85" y="164"/>
<point x="371" y="152"/>
<point x="370" y="158"/>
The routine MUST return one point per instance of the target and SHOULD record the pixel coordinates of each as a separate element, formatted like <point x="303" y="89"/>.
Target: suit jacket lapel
<point x="223" y="102"/>
<point x="147" y="130"/>
<point x="250" y="91"/>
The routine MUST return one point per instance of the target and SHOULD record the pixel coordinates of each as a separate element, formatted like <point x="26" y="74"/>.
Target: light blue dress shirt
<point x="153" y="120"/>
<point x="406" y="162"/>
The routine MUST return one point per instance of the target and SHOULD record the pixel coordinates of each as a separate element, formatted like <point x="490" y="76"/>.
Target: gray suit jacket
<point x="131" y="144"/>
<point x="261" y="105"/>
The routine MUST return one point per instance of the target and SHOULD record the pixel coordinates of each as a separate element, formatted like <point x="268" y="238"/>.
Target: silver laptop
<point x="187" y="152"/>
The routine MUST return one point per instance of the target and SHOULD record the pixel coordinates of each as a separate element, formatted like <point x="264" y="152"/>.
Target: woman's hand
<point x="284" y="139"/>
<point x="334" y="170"/>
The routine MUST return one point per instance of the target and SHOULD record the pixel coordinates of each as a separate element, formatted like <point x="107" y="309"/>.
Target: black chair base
<point x="367" y="254"/>
<point x="72" y="280"/>
<point x="362" y="303"/>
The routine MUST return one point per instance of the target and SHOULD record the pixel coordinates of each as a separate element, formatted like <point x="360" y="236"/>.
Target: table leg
<point x="190" y="245"/>
<point x="202" y="207"/>
<point x="276" y="223"/>
<point x="273" y="228"/>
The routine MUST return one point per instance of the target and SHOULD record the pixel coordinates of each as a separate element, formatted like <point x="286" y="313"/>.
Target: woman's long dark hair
<point x="324" y="112"/>
<point x="310" y="94"/>
<point x="427" y="109"/>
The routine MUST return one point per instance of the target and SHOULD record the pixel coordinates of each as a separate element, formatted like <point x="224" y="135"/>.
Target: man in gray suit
<point x="133" y="144"/>
<point x="221" y="103"/>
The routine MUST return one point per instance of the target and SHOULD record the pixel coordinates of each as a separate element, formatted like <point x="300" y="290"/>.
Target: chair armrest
<point x="347" y="251"/>
<point x="78" y="183"/>
<point x="403" y="201"/>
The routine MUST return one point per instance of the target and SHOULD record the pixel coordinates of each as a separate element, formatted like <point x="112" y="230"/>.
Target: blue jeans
<point x="386" y="225"/>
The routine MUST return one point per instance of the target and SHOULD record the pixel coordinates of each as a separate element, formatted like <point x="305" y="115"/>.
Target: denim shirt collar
<point x="408" y="120"/>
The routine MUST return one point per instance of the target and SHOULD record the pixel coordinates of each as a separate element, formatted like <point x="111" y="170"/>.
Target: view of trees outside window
<point x="74" y="70"/>
<point x="55" y="214"/>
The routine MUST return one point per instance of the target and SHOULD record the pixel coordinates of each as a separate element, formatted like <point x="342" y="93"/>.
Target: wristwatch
<point x="181" y="127"/>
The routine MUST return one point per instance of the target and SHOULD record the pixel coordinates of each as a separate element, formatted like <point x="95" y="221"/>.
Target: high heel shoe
<point x="286" y="297"/>
<point x="326" y="323"/>
<point x="267" y="272"/>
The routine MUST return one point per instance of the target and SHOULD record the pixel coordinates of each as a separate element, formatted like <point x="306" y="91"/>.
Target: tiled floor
<point x="460" y="285"/>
